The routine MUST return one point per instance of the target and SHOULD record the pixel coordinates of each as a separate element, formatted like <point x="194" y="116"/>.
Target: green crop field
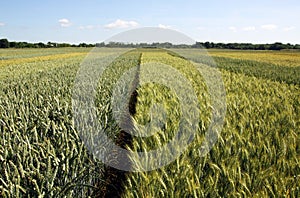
<point x="257" y="153"/>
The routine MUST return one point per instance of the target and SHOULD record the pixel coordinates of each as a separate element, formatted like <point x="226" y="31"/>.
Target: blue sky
<point x="91" y="21"/>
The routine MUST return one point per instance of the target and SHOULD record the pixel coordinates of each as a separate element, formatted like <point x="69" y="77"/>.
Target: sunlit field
<point x="286" y="58"/>
<point x="256" y="155"/>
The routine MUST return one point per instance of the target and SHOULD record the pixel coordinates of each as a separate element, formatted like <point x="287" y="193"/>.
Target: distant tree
<point x="13" y="44"/>
<point x="221" y="45"/>
<point x="4" y="43"/>
<point x="40" y="45"/>
<point x="207" y="45"/>
<point x="51" y="44"/>
<point x="166" y="45"/>
<point x="297" y="46"/>
<point x="30" y="45"/>
<point x="22" y="44"/>
<point x="63" y="45"/>
<point x="277" y="46"/>
<point x="100" y="44"/>
<point x="91" y="45"/>
<point x="82" y="45"/>
<point x="261" y="47"/>
<point x="197" y="45"/>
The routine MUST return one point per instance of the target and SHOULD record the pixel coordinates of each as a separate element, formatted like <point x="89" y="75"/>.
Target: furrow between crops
<point x="114" y="185"/>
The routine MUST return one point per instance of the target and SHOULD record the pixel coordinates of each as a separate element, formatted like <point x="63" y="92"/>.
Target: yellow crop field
<point x="282" y="58"/>
<point x="16" y="61"/>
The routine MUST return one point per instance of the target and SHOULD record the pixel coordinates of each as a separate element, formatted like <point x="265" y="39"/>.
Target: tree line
<point x="4" y="43"/>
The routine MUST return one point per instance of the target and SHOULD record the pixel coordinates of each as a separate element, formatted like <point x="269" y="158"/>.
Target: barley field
<point x="257" y="153"/>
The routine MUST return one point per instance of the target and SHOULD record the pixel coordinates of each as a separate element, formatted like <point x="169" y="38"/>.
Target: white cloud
<point x="164" y="26"/>
<point x="249" y="28"/>
<point x="121" y="24"/>
<point x="87" y="27"/>
<point x="64" y="22"/>
<point x="269" y="27"/>
<point x="232" y="28"/>
<point x="2" y="24"/>
<point x="290" y="28"/>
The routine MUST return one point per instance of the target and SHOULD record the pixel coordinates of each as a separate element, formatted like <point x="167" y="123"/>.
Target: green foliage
<point x="4" y="43"/>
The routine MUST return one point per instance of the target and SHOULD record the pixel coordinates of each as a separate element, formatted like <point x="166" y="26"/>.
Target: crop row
<point x="257" y="152"/>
